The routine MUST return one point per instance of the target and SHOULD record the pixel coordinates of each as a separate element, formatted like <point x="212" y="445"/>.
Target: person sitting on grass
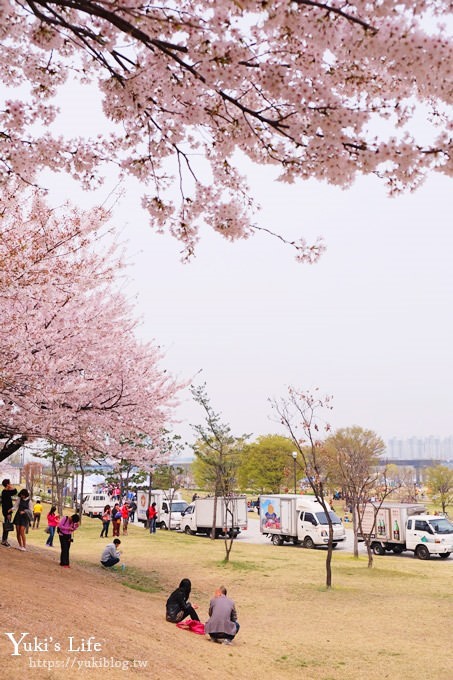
<point x="111" y="555"/>
<point x="178" y="605"/>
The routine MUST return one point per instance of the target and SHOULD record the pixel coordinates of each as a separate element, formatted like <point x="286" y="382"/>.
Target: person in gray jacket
<point x="111" y="555"/>
<point x="222" y="625"/>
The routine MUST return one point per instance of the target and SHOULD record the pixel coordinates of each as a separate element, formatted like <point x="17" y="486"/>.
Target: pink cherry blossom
<point x="318" y="89"/>
<point x="71" y="368"/>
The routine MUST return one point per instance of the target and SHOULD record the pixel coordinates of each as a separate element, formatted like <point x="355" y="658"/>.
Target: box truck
<point x="298" y="519"/>
<point x="231" y="516"/>
<point x="405" y="526"/>
<point x="164" y="500"/>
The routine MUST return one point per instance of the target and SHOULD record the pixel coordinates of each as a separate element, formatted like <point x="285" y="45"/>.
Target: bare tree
<point x="300" y="413"/>
<point x="354" y="455"/>
<point x="33" y="474"/>
<point x="218" y="451"/>
<point x="368" y="529"/>
<point x="63" y="461"/>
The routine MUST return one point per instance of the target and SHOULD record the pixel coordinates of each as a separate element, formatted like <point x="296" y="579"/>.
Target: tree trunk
<point x="228" y="540"/>
<point x="355" y="530"/>
<point x="82" y="481"/>
<point x="329" y="557"/>
<point x="11" y="446"/>
<point x="214" y="515"/>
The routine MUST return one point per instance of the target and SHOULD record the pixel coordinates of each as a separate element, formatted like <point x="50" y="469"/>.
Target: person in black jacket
<point x="7" y="507"/>
<point x="178" y="605"/>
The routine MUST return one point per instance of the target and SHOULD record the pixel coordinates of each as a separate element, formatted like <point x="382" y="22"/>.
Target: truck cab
<point x="313" y="528"/>
<point x="178" y="508"/>
<point x="429" y="534"/>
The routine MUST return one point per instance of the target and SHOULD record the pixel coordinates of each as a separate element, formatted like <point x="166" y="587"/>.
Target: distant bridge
<point x="417" y="463"/>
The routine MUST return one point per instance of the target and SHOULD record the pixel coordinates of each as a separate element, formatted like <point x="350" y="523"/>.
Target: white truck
<point x="164" y="500"/>
<point x="94" y="503"/>
<point x="405" y="526"/>
<point x="298" y="519"/>
<point x="231" y="516"/>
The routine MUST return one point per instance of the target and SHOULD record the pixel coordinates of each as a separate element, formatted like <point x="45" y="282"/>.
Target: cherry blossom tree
<point x="71" y="368"/>
<point x="323" y="89"/>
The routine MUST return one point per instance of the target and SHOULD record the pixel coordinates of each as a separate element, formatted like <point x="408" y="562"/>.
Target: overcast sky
<point x="369" y="324"/>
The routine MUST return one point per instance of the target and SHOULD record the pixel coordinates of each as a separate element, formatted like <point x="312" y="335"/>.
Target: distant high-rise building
<point x="419" y="448"/>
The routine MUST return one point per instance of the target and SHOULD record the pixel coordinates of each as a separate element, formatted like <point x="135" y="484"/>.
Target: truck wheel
<point x="308" y="542"/>
<point x="188" y="531"/>
<point x="378" y="549"/>
<point x="422" y="552"/>
<point x="277" y="540"/>
<point x="334" y="545"/>
<point x="163" y="526"/>
<point x="90" y="514"/>
<point x="444" y="555"/>
<point x="397" y="549"/>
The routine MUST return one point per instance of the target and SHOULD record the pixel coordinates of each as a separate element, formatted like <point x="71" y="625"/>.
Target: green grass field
<point x="392" y="620"/>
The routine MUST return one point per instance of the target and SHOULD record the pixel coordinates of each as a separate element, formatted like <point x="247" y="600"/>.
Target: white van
<point x="93" y="504"/>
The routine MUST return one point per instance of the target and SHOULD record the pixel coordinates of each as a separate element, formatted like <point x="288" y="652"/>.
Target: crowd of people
<point x="19" y="514"/>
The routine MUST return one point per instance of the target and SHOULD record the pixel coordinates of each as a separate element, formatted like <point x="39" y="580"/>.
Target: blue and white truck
<point x="290" y="518"/>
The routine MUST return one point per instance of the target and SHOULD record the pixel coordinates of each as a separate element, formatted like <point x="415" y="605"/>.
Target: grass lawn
<point x="393" y="620"/>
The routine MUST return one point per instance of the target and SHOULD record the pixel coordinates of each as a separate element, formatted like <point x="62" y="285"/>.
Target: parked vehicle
<point x="298" y="519"/>
<point x="231" y="516"/>
<point x="93" y="504"/>
<point x="404" y="526"/>
<point x="164" y="500"/>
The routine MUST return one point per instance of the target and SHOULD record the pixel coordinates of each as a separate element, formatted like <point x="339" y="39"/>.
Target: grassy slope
<point x="382" y="623"/>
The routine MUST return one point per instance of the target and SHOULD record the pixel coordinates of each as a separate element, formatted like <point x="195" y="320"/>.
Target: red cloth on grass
<point x="194" y="626"/>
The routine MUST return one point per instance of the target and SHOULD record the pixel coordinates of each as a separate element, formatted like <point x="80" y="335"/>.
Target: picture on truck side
<point x="270" y="515"/>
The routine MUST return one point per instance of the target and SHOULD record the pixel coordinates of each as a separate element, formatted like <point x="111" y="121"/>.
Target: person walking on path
<point x="37" y="511"/>
<point x="66" y="527"/>
<point x="52" y="522"/>
<point x="7" y="508"/>
<point x="178" y="605"/>
<point x="152" y="517"/>
<point x="111" y="555"/>
<point x="22" y="518"/>
<point x="222" y="625"/>
<point x="106" y="516"/>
